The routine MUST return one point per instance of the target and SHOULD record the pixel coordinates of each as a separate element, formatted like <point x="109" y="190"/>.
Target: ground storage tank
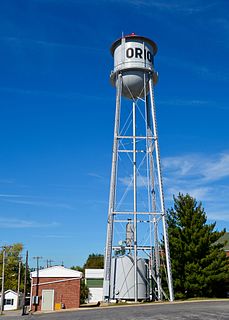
<point x="122" y="278"/>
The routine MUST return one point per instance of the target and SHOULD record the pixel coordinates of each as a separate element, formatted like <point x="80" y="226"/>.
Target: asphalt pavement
<point x="201" y="310"/>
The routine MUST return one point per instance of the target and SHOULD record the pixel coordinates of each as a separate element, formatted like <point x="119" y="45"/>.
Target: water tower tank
<point x="134" y="59"/>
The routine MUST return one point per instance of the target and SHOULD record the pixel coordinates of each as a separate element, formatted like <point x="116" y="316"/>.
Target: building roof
<point x="224" y="238"/>
<point x="57" y="272"/>
<point x="9" y="291"/>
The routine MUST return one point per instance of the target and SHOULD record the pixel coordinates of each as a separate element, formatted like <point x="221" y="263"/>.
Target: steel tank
<point x="134" y="59"/>
<point x="122" y="278"/>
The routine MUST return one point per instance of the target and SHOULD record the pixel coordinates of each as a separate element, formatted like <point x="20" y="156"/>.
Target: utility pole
<point x="25" y="283"/>
<point x="49" y="263"/>
<point x="3" y="278"/>
<point x="37" y="283"/>
<point x="18" y="282"/>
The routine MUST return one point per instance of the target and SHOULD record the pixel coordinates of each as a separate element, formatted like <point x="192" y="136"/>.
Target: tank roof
<point x="136" y="37"/>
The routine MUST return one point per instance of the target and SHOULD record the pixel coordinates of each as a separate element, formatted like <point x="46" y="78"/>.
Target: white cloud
<point x="202" y="167"/>
<point x="203" y="71"/>
<point x="3" y="195"/>
<point x="128" y="181"/>
<point x="7" y="181"/>
<point x="7" y="223"/>
<point x="173" y="6"/>
<point x="40" y="203"/>
<point x="179" y="166"/>
<point x="38" y="42"/>
<point x="65" y="95"/>
<point x="32" y="201"/>
<point x="205" y="177"/>
<point x="186" y="103"/>
<point x="54" y="236"/>
<point x="217" y="168"/>
<point x="198" y="192"/>
<point x="218" y="215"/>
<point x="95" y="175"/>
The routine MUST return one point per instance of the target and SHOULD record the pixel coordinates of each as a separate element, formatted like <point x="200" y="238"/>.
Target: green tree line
<point x="200" y="267"/>
<point x="14" y="262"/>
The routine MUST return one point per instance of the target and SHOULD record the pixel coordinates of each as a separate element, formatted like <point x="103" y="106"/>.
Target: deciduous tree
<point x="12" y="257"/>
<point x="94" y="261"/>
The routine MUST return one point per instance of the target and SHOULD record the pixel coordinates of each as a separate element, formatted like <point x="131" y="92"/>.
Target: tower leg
<point x="135" y="205"/>
<point x="108" y="253"/>
<point x="150" y="149"/>
<point x="165" y="228"/>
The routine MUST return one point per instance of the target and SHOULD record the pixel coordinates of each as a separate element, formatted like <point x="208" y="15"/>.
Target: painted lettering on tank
<point x="138" y="53"/>
<point x="130" y="53"/>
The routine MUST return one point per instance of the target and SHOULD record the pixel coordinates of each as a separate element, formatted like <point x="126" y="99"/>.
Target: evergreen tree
<point x="200" y="267"/>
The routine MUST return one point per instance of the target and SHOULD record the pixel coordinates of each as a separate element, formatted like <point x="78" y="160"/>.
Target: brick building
<point x="55" y="288"/>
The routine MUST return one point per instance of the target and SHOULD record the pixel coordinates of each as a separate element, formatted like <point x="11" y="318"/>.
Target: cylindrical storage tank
<point x="134" y="59"/>
<point x="122" y="278"/>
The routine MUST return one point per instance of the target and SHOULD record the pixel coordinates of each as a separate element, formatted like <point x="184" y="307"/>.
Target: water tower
<point x="137" y="258"/>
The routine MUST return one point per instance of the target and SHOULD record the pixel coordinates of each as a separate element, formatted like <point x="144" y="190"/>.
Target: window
<point x="95" y="283"/>
<point x="9" y="302"/>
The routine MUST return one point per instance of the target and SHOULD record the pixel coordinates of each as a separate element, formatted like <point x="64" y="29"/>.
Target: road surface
<point x="210" y="310"/>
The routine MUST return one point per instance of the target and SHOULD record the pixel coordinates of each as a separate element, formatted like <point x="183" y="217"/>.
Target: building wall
<point x="66" y="291"/>
<point x="11" y="296"/>
<point x="95" y="295"/>
<point x="94" y="281"/>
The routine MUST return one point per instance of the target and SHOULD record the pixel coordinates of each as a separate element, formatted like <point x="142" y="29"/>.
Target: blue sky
<point x="57" y="113"/>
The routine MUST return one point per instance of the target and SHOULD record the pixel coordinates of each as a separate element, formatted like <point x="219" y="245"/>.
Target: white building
<point x="94" y="281"/>
<point x="11" y="300"/>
